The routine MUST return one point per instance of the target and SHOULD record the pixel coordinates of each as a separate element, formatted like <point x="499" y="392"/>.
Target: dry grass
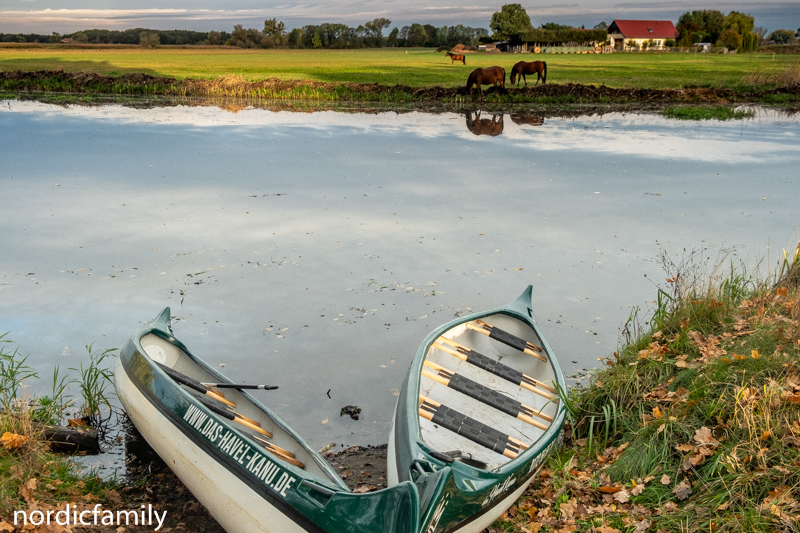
<point x="789" y="77"/>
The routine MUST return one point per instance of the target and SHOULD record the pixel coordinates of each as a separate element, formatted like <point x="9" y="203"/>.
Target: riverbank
<point x="60" y="86"/>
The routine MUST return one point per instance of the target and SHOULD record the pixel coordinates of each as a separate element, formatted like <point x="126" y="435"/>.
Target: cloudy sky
<point x="46" y="16"/>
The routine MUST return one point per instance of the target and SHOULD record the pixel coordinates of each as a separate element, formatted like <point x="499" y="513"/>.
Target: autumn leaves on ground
<point x="693" y="426"/>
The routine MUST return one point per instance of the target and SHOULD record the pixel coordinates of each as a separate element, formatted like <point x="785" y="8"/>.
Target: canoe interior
<point x="168" y="354"/>
<point x="443" y="440"/>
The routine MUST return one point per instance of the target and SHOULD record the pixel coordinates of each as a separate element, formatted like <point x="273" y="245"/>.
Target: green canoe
<point x="243" y="463"/>
<point x="476" y="417"/>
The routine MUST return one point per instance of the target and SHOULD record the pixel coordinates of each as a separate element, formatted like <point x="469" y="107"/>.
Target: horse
<point x="456" y="57"/>
<point x="484" y="126"/>
<point x="486" y="76"/>
<point x="527" y="118"/>
<point x="522" y="68"/>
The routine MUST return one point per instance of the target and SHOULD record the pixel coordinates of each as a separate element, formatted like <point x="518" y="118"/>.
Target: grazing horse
<point x="484" y="126"/>
<point x="456" y="57"/>
<point x="486" y="76"/>
<point x="527" y="118"/>
<point x="522" y="68"/>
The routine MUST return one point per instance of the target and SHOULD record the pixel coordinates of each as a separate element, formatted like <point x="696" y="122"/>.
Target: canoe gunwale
<point x="158" y="328"/>
<point x="553" y="430"/>
<point x="473" y="497"/>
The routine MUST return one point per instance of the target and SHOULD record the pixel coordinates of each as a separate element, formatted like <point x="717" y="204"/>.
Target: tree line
<point x="736" y="31"/>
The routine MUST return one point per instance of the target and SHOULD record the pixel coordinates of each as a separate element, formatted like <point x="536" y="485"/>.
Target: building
<point x="641" y="34"/>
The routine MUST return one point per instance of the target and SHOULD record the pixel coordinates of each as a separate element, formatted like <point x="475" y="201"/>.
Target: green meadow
<point x="415" y="67"/>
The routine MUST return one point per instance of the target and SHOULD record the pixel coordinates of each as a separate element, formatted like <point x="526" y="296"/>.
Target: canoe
<point x="242" y="462"/>
<point x="476" y="417"/>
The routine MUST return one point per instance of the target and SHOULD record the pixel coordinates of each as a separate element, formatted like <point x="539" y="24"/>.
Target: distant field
<point x="414" y="67"/>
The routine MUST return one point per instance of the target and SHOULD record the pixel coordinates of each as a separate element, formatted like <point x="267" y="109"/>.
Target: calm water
<point x="316" y="250"/>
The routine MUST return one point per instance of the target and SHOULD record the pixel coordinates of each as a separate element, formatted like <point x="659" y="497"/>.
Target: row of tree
<point x="333" y="35"/>
<point x="735" y="30"/>
<point x="130" y="36"/>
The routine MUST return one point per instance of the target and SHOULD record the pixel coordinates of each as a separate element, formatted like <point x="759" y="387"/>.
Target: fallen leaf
<point x="5" y="526"/>
<point x="363" y="488"/>
<point x="622" y="496"/>
<point x="683" y="490"/>
<point x="26" y="490"/>
<point x="324" y="421"/>
<point x="665" y="480"/>
<point x="703" y="436"/>
<point x="12" y="441"/>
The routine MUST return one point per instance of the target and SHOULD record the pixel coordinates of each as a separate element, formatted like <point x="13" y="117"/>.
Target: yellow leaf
<point x="12" y="441"/>
<point x="766" y="435"/>
<point x="754" y="354"/>
<point x="657" y="412"/>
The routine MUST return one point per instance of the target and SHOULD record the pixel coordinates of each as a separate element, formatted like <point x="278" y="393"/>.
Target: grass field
<point x="389" y="66"/>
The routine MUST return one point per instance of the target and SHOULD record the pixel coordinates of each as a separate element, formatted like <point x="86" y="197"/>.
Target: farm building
<point x="641" y="34"/>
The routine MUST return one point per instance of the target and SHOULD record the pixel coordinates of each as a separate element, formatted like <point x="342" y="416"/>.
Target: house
<point x="641" y="34"/>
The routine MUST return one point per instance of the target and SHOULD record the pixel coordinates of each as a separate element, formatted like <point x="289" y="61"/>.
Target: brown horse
<point x="527" y="118"/>
<point x="486" y="76"/>
<point x="456" y="57"/>
<point x="484" y="126"/>
<point x="522" y="68"/>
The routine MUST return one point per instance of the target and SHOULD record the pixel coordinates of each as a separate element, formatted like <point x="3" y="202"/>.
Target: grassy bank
<point x="693" y="425"/>
<point x="389" y="66"/>
<point x="31" y="476"/>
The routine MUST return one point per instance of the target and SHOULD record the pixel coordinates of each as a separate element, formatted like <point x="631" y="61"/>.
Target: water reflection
<point x="315" y="251"/>
<point x="484" y="126"/>
<point x="531" y="119"/>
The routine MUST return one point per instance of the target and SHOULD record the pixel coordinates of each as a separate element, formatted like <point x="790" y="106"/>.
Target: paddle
<point x="286" y="455"/>
<point x="193" y="384"/>
<point x="239" y="387"/>
<point x="495" y="367"/>
<point x="485" y="395"/>
<point x="235" y="417"/>
<point x="470" y="428"/>
<point x="493" y="332"/>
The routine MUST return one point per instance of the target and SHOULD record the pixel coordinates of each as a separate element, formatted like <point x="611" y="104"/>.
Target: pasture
<point x="413" y="67"/>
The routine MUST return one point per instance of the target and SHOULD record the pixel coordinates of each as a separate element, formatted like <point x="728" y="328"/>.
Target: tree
<point x="512" y="19"/>
<point x="782" y="36"/>
<point x="376" y="27"/>
<point x="274" y="29"/>
<point x="552" y="26"/>
<point x="392" y="39"/>
<point x="600" y="26"/>
<point x="761" y="31"/>
<point x="80" y="37"/>
<point x="417" y="36"/>
<point x="730" y="38"/>
<point x="739" y="22"/>
<point x="149" y="39"/>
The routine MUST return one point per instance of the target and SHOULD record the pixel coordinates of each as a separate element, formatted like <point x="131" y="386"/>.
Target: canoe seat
<point x="509" y="339"/>
<point x="495" y="367"/>
<point x="470" y="428"/>
<point x="483" y="394"/>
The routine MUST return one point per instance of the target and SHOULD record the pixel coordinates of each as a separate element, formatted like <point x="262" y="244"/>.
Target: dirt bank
<point x="234" y="86"/>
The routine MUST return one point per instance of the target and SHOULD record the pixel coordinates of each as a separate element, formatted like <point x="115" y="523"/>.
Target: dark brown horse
<point x="484" y="126"/>
<point x="486" y="76"/>
<point x="522" y="68"/>
<point x="456" y="57"/>
<point x="527" y="118"/>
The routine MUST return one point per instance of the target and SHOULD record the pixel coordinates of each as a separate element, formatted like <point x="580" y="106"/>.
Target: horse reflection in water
<point x="527" y="118"/>
<point x="484" y="126"/>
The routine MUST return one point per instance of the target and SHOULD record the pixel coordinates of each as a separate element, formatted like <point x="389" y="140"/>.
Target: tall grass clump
<point x="31" y="477"/>
<point x="694" y="424"/>
<point x="788" y="77"/>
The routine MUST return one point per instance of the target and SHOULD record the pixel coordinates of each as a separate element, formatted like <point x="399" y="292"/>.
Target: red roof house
<point x="634" y="32"/>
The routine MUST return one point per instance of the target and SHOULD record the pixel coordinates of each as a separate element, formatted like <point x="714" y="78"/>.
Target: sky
<point x="47" y="16"/>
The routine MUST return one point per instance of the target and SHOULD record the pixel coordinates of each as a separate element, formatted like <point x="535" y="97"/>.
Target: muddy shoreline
<point x="59" y="85"/>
